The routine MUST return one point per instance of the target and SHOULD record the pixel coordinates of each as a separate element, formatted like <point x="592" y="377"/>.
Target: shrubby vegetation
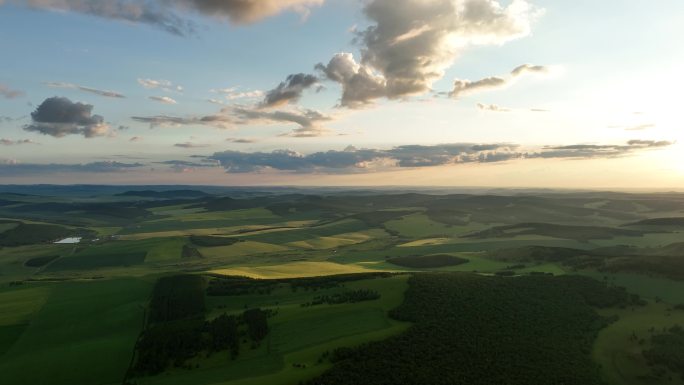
<point x="351" y="296"/>
<point x="177" y="330"/>
<point x="190" y="252"/>
<point x="663" y="261"/>
<point x="29" y="234"/>
<point x="229" y="286"/>
<point x="40" y="261"/>
<point x="427" y="261"/>
<point x="580" y="233"/>
<point x="177" y="297"/>
<point x="667" y="350"/>
<point x="471" y="329"/>
<point x="209" y="241"/>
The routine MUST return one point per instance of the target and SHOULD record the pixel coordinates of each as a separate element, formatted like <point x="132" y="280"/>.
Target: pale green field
<point x="168" y="251"/>
<point x="18" y="305"/>
<point x="241" y="249"/>
<point x="292" y="270"/>
<point x="419" y="226"/>
<point x="346" y="239"/>
<point x="620" y="356"/>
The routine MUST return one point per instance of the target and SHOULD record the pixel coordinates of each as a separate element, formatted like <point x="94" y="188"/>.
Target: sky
<point x="521" y="93"/>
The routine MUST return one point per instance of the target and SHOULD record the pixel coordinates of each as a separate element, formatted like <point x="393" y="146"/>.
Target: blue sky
<point x="595" y="107"/>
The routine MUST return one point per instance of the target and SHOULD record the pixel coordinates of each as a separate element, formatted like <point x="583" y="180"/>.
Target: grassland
<point x="299" y="335"/>
<point x="67" y="306"/>
<point x="83" y="334"/>
<point x="618" y="348"/>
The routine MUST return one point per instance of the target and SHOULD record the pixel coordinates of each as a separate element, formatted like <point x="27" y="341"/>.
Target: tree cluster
<point x="477" y="330"/>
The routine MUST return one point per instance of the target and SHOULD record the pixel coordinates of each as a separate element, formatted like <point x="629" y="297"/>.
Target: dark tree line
<point x="177" y="297"/>
<point x="667" y="350"/>
<point x="475" y="330"/>
<point x="351" y="296"/>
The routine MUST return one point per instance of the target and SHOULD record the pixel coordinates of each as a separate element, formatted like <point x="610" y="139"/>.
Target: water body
<point x="69" y="241"/>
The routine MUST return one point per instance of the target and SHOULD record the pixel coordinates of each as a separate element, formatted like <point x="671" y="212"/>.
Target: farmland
<point x="333" y="273"/>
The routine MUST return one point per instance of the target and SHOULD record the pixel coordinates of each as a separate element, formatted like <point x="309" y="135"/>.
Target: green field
<point x="65" y="307"/>
<point x="80" y="324"/>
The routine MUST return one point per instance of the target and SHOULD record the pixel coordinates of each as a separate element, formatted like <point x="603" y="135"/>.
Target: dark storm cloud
<point x="352" y="159"/>
<point x="59" y="117"/>
<point x="109" y="94"/>
<point x="25" y="169"/>
<point x="289" y="91"/>
<point x="171" y="15"/>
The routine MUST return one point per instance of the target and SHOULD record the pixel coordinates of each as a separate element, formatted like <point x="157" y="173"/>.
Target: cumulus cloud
<point x="289" y="91"/>
<point x="462" y="87"/>
<point x="59" y="117"/>
<point x="10" y="142"/>
<point x="14" y="168"/>
<point x="9" y="93"/>
<point x="164" y="85"/>
<point x="352" y="159"/>
<point x="109" y="94"/>
<point x="171" y="15"/>
<point x="163" y="99"/>
<point x="410" y="44"/>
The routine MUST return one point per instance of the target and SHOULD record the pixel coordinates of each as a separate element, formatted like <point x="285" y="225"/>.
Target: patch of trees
<point x="177" y="297"/>
<point x="177" y="330"/>
<point x="257" y="324"/>
<point x="579" y="233"/>
<point x="663" y="261"/>
<point x="173" y="343"/>
<point x="667" y="350"/>
<point x="477" y="330"/>
<point x="331" y="281"/>
<point x="40" y="261"/>
<point x="427" y="261"/>
<point x="29" y="234"/>
<point x="351" y="296"/>
<point x="209" y="241"/>
<point x="190" y="252"/>
<point x="234" y="286"/>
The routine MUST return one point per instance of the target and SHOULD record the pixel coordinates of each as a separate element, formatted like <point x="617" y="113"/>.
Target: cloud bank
<point x="352" y="159"/>
<point x="171" y="15"/>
